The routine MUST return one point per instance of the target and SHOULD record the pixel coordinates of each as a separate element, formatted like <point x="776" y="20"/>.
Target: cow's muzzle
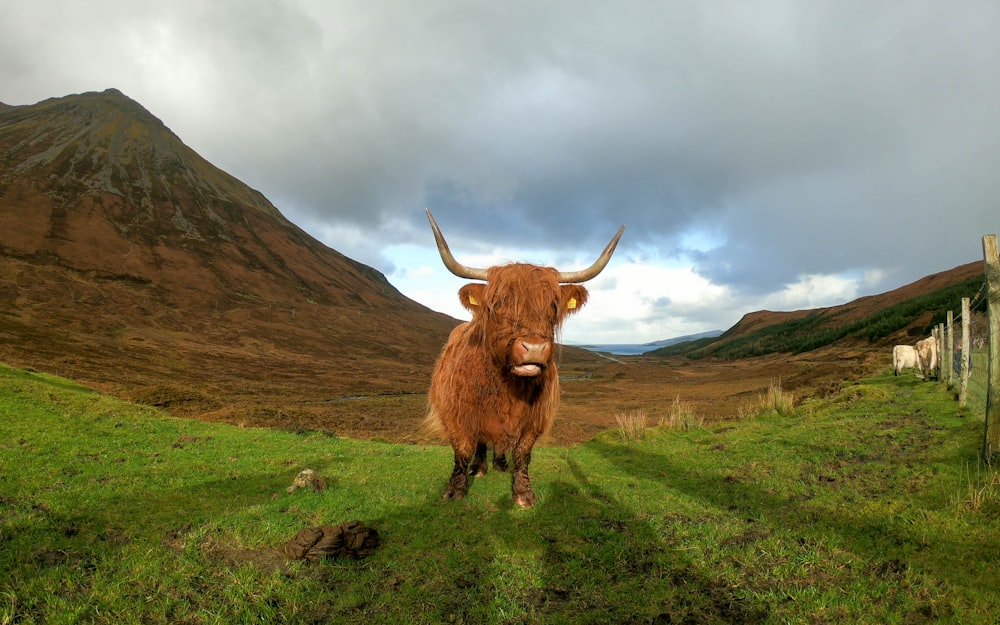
<point x="530" y="357"/>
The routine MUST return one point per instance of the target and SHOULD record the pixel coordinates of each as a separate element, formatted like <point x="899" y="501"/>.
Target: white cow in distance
<point x="904" y="357"/>
<point x="927" y="355"/>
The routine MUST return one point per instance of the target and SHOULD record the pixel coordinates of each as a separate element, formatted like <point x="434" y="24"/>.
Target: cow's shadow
<point x="579" y="556"/>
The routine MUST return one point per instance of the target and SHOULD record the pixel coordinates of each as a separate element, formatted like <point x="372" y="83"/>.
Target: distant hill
<point x="902" y="315"/>
<point x="130" y="263"/>
<point x="711" y="334"/>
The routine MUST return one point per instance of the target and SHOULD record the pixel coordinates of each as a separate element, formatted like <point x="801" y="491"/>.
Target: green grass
<point x="868" y="508"/>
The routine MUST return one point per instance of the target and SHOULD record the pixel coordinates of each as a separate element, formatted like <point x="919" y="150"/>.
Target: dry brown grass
<point x="777" y="399"/>
<point x="747" y="409"/>
<point x="631" y="425"/>
<point x="774" y="400"/>
<point x="681" y="415"/>
<point x="980" y="490"/>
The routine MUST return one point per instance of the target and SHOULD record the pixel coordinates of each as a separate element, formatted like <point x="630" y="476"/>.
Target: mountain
<point x="902" y="315"/>
<point x="132" y="264"/>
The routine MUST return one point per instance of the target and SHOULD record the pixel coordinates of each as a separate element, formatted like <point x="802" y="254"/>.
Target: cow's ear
<point x="572" y="297"/>
<point x="471" y="296"/>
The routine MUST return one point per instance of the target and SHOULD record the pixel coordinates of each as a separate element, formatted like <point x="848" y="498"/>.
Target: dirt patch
<point x="252" y="371"/>
<point x="593" y="393"/>
<point x="352" y="540"/>
<point x="347" y="540"/>
<point x="387" y="400"/>
<point x="713" y="390"/>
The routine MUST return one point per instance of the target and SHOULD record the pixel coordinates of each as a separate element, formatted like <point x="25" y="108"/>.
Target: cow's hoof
<point x="452" y="493"/>
<point x="525" y="500"/>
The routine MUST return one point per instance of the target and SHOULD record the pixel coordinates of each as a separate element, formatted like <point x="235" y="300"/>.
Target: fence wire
<point x="980" y="383"/>
<point x="981" y="340"/>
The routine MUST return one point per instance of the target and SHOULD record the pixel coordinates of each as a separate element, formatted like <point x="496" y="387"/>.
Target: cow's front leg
<point x="478" y="468"/>
<point x="524" y="496"/>
<point x="458" y="485"/>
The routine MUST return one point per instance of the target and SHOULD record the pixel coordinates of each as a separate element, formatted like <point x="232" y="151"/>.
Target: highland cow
<point x="927" y="356"/>
<point x="495" y="382"/>
<point x="904" y="357"/>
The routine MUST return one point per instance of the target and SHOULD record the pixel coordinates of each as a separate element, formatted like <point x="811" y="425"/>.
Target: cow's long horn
<point x="568" y="277"/>
<point x="453" y="265"/>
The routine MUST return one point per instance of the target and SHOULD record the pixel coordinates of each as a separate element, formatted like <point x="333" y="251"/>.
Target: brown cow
<point x="495" y="382"/>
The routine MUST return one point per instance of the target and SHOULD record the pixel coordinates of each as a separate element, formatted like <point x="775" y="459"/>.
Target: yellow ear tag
<point x="473" y="301"/>
<point x="571" y="304"/>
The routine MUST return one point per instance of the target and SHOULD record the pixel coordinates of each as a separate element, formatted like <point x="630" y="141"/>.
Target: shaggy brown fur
<point x="495" y="382"/>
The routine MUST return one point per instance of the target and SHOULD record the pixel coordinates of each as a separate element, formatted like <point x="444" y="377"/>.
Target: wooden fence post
<point x="940" y="352"/>
<point x="926" y="367"/>
<point x="963" y="377"/>
<point x="991" y="433"/>
<point x="950" y="350"/>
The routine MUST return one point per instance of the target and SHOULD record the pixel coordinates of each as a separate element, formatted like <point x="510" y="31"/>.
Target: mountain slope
<point x="98" y="183"/>
<point x="130" y="263"/>
<point x="902" y="315"/>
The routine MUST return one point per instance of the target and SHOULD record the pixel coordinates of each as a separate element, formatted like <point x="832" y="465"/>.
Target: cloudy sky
<point x="762" y="155"/>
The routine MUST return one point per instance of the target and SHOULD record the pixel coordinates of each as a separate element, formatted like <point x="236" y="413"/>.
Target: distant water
<point x="620" y="349"/>
<point x="635" y="349"/>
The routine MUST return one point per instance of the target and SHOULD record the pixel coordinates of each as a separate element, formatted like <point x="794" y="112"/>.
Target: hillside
<point x="132" y="264"/>
<point x="902" y="315"/>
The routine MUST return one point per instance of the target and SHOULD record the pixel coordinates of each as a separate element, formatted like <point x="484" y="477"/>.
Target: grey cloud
<point x="817" y="137"/>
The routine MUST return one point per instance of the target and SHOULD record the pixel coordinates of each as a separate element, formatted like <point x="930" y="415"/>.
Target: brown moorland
<point x="132" y="265"/>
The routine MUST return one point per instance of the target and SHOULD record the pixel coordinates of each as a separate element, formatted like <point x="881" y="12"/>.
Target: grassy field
<point x="867" y="508"/>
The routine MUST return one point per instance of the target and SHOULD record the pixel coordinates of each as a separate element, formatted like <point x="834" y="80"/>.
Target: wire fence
<point x="972" y="332"/>
<point x="978" y="382"/>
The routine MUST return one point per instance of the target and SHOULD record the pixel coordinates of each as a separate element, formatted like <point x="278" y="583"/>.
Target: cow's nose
<point x="535" y="352"/>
